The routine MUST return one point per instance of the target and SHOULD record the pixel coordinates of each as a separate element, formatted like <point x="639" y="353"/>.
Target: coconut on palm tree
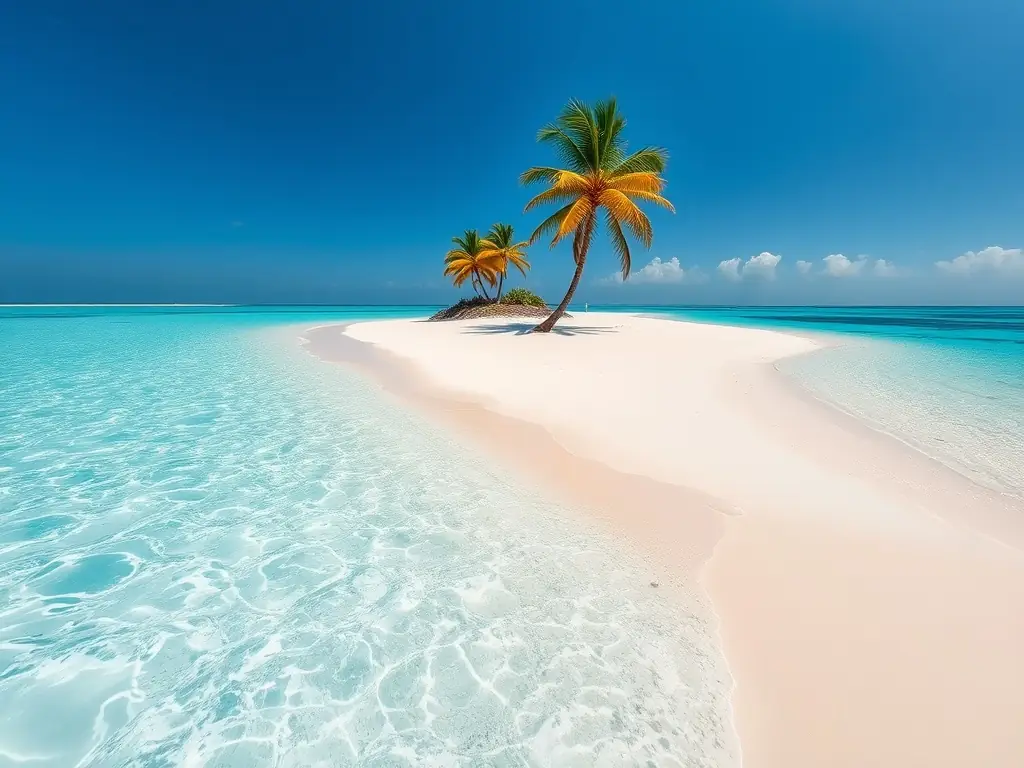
<point x="501" y="250"/>
<point x="600" y="177"/>
<point x="465" y="262"/>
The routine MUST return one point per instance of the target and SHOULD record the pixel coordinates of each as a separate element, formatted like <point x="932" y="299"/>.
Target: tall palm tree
<point x="600" y="174"/>
<point x="465" y="263"/>
<point x="500" y="249"/>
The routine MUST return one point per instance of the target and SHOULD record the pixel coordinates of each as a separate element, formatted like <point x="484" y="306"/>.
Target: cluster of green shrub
<point x="522" y="296"/>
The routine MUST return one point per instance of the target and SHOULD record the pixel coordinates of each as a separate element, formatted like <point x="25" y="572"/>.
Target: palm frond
<point x="459" y="272"/>
<point x="650" y="197"/>
<point x="533" y="175"/>
<point x="646" y="160"/>
<point x="574" y="217"/>
<point x="492" y="258"/>
<point x="577" y="120"/>
<point x="553" y="195"/>
<point x="517" y="259"/>
<point x="469" y="241"/>
<point x="552" y="222"/>
<point x="636" y="182"/>
<point x="619" y="243"/>
<point x="609" y="130"/>
<point x="499" y="260"/>
<point x="500" y="234"/>
<point x="568" y="151"/>
<point x="625" y="211"/>
<point x="488" y="272"/>
<point x="575" y="182"/>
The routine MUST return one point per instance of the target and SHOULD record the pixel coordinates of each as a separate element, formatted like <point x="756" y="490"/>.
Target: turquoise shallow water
<point x="216" y="550"/>
<point x="947" y="380"/>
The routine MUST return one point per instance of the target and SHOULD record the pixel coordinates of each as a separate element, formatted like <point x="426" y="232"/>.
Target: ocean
<point x="218" y="550"/>
<point x="948" y="381"/>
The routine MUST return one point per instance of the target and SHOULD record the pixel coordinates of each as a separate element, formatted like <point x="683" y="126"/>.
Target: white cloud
<point x="657" y="271"/>
<point x="763" y="265"/>
<point x="838" y="265"/>
<point x="804" y="267"/>
<point x="730" y="268"/>
<point x="991" y="259"/>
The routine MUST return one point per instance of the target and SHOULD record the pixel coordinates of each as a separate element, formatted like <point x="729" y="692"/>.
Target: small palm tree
<point x="500" y="250"/>
<point x="465" y="263"/>
<point x="600" y="174"/>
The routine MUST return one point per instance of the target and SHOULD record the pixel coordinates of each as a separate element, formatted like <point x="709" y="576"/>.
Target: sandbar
<point x="870" y="600"/>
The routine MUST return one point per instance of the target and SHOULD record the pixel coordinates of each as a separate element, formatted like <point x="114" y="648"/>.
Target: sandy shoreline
<point x="871" y="601"/>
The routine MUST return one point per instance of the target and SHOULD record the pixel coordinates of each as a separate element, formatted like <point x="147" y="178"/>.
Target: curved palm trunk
<point x="555" y="316"/>
<point x="581" y="258"/>
<point x="480" y="285"/>
<point x="501" y="282"/>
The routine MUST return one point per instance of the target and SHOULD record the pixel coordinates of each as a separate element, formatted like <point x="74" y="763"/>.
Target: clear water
<point x="216" y="550"/>
<point x="947" y="380"/>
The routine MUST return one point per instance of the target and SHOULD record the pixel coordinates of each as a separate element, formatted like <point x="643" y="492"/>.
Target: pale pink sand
<point x="871" y="602"/>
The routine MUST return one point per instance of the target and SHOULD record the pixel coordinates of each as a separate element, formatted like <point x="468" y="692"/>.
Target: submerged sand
<point x="871" y="601"/>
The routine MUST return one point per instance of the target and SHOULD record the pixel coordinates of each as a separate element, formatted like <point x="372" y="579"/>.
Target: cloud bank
<point x="838" y="265"/>
<point x="993" y="259"/>
<point x="843" y="273"/>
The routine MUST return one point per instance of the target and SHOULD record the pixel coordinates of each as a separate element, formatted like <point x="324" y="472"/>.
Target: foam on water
<point x="216" y="550"/>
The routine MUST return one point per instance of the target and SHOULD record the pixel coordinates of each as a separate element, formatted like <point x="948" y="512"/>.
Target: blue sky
<point x="327" y="152"/>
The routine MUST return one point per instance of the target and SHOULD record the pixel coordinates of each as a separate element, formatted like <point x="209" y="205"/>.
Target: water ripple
<point x="218" y="551"/>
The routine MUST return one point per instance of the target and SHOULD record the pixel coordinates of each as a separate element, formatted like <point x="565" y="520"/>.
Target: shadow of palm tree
<point x="520" y="329"/>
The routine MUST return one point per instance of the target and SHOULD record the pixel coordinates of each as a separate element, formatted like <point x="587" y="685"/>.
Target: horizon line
<point x="173" y="304"/>
<point x="442" y="304"/>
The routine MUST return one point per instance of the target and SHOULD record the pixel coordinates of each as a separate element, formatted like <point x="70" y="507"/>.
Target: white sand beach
<point x="870" y="600"/>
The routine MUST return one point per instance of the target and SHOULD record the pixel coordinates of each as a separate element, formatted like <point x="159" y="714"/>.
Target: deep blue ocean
<point x="217" y="550"/>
